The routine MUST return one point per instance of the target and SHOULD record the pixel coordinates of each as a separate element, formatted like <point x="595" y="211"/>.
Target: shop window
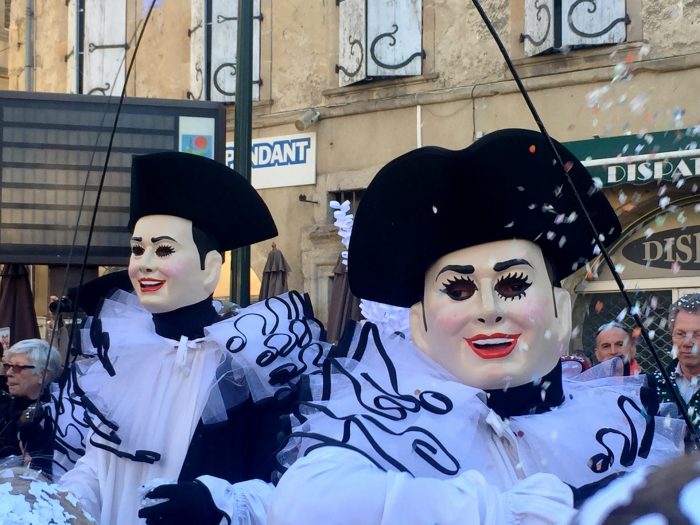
<point x="556" y="25"/>
<point x="653" y="306"/>
<point x="379" y="39"/>
<point x="213" y="50"/>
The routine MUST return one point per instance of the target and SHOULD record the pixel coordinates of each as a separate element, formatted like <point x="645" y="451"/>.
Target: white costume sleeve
<point x="244" y="503"/>
<point x="82" y="482"/>
<point x="336" y="486"/>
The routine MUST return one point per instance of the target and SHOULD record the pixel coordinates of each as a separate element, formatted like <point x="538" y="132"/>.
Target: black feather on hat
<point x="433" y="201"/>
<point x="215" y="198"/>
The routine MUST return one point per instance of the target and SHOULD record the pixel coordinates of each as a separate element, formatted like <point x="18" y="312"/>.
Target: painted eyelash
<point x="456" y="280"/>
<point x="515" y="276"/>
<point x="168" y="247"/>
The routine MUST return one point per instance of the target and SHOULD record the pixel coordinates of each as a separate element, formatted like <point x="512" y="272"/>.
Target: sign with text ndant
<point x="288" y="160"/>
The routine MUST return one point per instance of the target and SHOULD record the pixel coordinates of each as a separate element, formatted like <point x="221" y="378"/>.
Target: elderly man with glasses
<point x="684" y="371"/>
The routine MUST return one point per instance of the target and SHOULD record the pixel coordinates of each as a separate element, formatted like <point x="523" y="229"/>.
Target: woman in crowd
<point x="25" y="428"/>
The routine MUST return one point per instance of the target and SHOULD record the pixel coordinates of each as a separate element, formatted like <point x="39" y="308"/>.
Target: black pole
<point x="242" y="137"/>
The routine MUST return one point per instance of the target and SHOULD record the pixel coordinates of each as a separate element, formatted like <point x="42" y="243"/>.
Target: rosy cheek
<point x="174" y="269"/>
<point x="450" y="321"/>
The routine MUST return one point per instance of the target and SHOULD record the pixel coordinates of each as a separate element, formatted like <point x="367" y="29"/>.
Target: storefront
<point x="651" y="181"/>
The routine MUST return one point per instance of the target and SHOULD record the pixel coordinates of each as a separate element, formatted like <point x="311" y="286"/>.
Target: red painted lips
<point x="493" y="346"/>
<point x="151" y="285"/>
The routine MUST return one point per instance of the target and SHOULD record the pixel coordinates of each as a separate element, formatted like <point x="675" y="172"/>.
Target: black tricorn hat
<point x="215" y="198"/>
<point x="433" y="201"/>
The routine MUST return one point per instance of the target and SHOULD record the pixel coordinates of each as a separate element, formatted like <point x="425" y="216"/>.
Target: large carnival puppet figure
<point x="472" y="421"/>
<point x="167" y="396"/>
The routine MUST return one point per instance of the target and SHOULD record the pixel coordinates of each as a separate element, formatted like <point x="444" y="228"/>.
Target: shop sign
<point x="277" y="162"/>
<point x="641" y="159"/>
<point x="674" y="249"/>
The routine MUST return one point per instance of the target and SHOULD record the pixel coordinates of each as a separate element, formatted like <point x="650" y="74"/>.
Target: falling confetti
<point x="532" y="148"/>
<point x="598" y="306"/>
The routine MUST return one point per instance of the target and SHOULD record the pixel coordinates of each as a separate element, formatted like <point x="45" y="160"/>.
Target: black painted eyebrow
<point x="137" y="239"/>
<point x="158" y="239"/>
<point x="500" y="266"/>
<point x="459" y="268"/>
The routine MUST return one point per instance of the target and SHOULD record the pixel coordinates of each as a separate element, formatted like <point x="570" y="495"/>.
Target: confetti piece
<point x="663" y="202"/>
<point x="434" y="209"/>
<point x="598" y="306"/>
<point x="532" y="148"/>
<point x="622" y="197"/>
<point x="676" y="267"/>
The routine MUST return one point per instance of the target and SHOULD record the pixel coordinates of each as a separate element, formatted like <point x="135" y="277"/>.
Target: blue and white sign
<point x="288" y="160"/>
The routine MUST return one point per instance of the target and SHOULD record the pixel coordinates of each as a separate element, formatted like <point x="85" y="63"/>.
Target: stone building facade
<point x="592" y="74"/>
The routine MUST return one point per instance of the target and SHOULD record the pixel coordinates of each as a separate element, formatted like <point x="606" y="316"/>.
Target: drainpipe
<point x="28" y="44"/>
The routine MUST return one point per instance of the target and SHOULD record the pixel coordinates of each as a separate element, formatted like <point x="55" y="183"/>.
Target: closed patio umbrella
<point x="344" y="305"/>
<point x="274" y="279"/>
<point x="17" y="304"/>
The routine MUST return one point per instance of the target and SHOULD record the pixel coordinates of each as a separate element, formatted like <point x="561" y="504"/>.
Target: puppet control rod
<point x="596" y="235"/>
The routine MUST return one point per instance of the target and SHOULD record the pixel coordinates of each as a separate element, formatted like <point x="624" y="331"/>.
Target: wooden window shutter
<point x="196" y="34"/>
<point x="593" y="22"/>
<point x="379" y="38"/>
<point x="105" y="47"/>
<point x="224" y="34"/>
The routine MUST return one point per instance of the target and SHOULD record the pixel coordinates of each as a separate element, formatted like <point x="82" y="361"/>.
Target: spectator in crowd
<point x="25" y="427"/>
<point x="684" y="370"/>
<point x="613" y="340"/>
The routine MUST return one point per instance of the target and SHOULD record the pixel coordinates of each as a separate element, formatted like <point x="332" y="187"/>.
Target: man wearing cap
<point x="471" y="422"/>
<point x="170" y="393"/>
<point x="612" y="340"/>
<point x="684" y="370"/>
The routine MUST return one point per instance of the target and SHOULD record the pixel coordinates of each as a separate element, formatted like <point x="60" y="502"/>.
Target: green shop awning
<point x="642" y="158"/>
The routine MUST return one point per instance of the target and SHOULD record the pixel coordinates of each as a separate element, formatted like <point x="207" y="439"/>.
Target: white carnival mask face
<point x="165" y="268"/>
<point x="493" y="318"/>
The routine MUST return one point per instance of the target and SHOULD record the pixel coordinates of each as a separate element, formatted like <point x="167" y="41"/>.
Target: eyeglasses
<point x="16" y="368"/>
<point x="680" y="335"/>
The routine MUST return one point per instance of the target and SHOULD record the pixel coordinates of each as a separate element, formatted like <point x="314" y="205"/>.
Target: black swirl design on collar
<point x="380" y="403"/>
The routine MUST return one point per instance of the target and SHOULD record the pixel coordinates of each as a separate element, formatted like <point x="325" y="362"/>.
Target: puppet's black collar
<point x="188" y="320"/>
<point x="531" y="398"/>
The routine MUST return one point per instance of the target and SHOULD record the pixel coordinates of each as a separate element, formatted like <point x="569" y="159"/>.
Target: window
<point x="213" y="50"/>
<point x="553" y="25"/>
<point x="353" y="196"/>
<point x="379" y="39"/>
